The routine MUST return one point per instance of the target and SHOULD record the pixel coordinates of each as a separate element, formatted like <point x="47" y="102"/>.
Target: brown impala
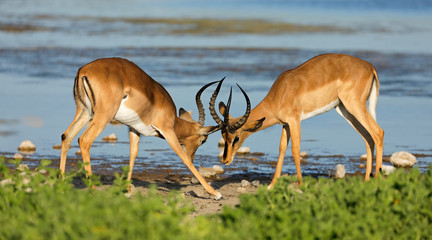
<point x="115" y="88"/>
<point x="324" y="82"/>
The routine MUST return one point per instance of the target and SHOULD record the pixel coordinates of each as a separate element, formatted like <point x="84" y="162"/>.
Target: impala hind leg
<point x="96" y="126"/>
<point x="282" y="150"/>
<point x="369" y="129"/>
<point x="81" y="118"/>
<point x="341" y="110"/>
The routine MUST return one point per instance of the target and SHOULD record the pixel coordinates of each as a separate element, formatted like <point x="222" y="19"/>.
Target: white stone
<point x="403" y="159"/>
<point x="256" y="183"/>
<point x="22" y="167"/>
<point x="18" y="156"/>
<point x="245" y="183"/>
<point x="111" y="137"/>
<point x="218" y="169"/>
<point x="303" y="154"/>
<point x="27" y="145"/>
<point x="339" y="171"/>
<point x="363" y="157"/>
<point x="207" y="172"/>
<point x="194" y="180"/>
<point x="387" y="169"/>
<point x="243" y="150"/>
<point x="5" y="182"/>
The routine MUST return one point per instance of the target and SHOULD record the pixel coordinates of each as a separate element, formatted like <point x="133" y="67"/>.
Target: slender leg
<point x="86" y="140"/>
<point x="295" y="132"/>
<point x="172" y="140"/>
<point x="282" y="150"/>
<point x="369" y="130"/>
<point x="134" y="137"/>
<point x="363" y="133"/>
<point x="81" y="118"/>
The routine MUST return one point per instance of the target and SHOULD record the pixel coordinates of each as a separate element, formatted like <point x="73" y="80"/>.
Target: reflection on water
<point x="43" y="43"/>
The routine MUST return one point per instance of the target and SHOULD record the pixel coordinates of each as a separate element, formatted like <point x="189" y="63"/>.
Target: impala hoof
<point x="218" y="196"/>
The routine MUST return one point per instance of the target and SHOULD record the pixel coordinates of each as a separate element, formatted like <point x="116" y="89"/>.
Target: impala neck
<point x="261" y="111"/>
<point x="184" y="129"/>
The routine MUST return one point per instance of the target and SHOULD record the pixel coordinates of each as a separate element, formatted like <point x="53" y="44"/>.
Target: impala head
<point x="193" y="134"/>
<point x="234" y="130"/>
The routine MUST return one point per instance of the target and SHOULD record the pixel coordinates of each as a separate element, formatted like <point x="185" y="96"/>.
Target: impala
<point x="324" y="82"/>
<point x="115" y="88"/>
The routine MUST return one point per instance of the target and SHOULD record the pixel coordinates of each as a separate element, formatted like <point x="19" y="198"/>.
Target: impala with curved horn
<point x="115" y="88"/>
<point x="324" y="82"/>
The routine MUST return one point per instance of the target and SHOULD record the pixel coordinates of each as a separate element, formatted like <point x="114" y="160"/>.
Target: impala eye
<point x="236" y="139"/>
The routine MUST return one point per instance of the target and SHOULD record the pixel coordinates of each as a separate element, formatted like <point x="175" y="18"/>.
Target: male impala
<point x="115" y="88"/>
<point x="324" y="82"/>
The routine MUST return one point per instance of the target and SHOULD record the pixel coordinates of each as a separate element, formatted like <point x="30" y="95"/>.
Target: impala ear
<point x="222" y="108"/>
<point x="183" y="114"/>
<point x="253" y="126"/>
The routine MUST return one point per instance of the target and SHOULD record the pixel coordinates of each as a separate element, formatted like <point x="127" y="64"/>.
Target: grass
<point x="36" y="204"/>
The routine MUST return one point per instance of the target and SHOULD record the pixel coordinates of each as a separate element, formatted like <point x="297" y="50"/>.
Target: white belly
<point x="130" y="118"/>
<point x="320" y="110"/>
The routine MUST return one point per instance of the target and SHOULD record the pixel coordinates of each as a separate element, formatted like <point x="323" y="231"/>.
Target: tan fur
<point x="117" y="88"/>
<point x="326" y="80"/>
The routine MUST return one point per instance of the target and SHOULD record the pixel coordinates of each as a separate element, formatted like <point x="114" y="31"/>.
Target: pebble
<point x="27" y="146"/>
<point x="303" y="154"/>
<point x="363" y="157"/>
<point x="245" y="183"/>
<point x="339" y="171"/>
<point x="110" y="138"/>
<point x="194" y="180"/>
<point x="22" y="167"/>
<point x="256" y="183"/>
<point x="218" y="169"/>
<point x="207" y="172"/>
<point x="387" y="169"/>
<point x="18" y="156"/>
<point x="56" y="147"/>
<point x="243" y="150"/>
<point x="403" y="159"/>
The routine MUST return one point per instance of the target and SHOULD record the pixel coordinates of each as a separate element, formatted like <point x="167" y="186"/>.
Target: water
<point x="43" y="43"/>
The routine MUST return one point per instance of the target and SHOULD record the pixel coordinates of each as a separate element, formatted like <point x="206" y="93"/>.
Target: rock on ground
<point x="338" y="171"/>
<point x="403" y="159"/>
<point x="387" y="169"/>
<point x="207" y="172"/>
<point x="27" y="145"/>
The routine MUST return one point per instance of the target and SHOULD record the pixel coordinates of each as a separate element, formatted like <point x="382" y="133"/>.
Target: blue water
<point x="39" y="61"/>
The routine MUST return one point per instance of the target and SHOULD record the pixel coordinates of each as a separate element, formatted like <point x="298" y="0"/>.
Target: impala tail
<point x="83" y="93"/>
<point x="373" y="95"/>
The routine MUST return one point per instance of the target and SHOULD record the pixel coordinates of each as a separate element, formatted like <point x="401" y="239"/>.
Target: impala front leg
<point x="295" y="132"/>
<point x="134" y="137"/>
<point x="175" y="145"/>
<point x="282" y="150"/>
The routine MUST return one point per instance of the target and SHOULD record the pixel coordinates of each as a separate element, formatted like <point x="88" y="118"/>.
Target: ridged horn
<point x="212" y="105"/>
<point x="201" y="112"/>
<point x="244" y="118"/>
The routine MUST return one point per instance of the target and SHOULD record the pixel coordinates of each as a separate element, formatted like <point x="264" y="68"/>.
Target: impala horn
<point x="225" y="122"/>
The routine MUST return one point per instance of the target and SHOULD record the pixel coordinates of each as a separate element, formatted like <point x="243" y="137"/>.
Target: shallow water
<point x="39" y="59"/>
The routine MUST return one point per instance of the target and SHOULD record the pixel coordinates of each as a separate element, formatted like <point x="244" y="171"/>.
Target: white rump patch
<point x="131" y="118"/>
<point x="320" y="110"/>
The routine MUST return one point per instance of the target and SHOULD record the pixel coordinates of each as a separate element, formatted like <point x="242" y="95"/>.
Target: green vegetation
<point x="41" y="206"/>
